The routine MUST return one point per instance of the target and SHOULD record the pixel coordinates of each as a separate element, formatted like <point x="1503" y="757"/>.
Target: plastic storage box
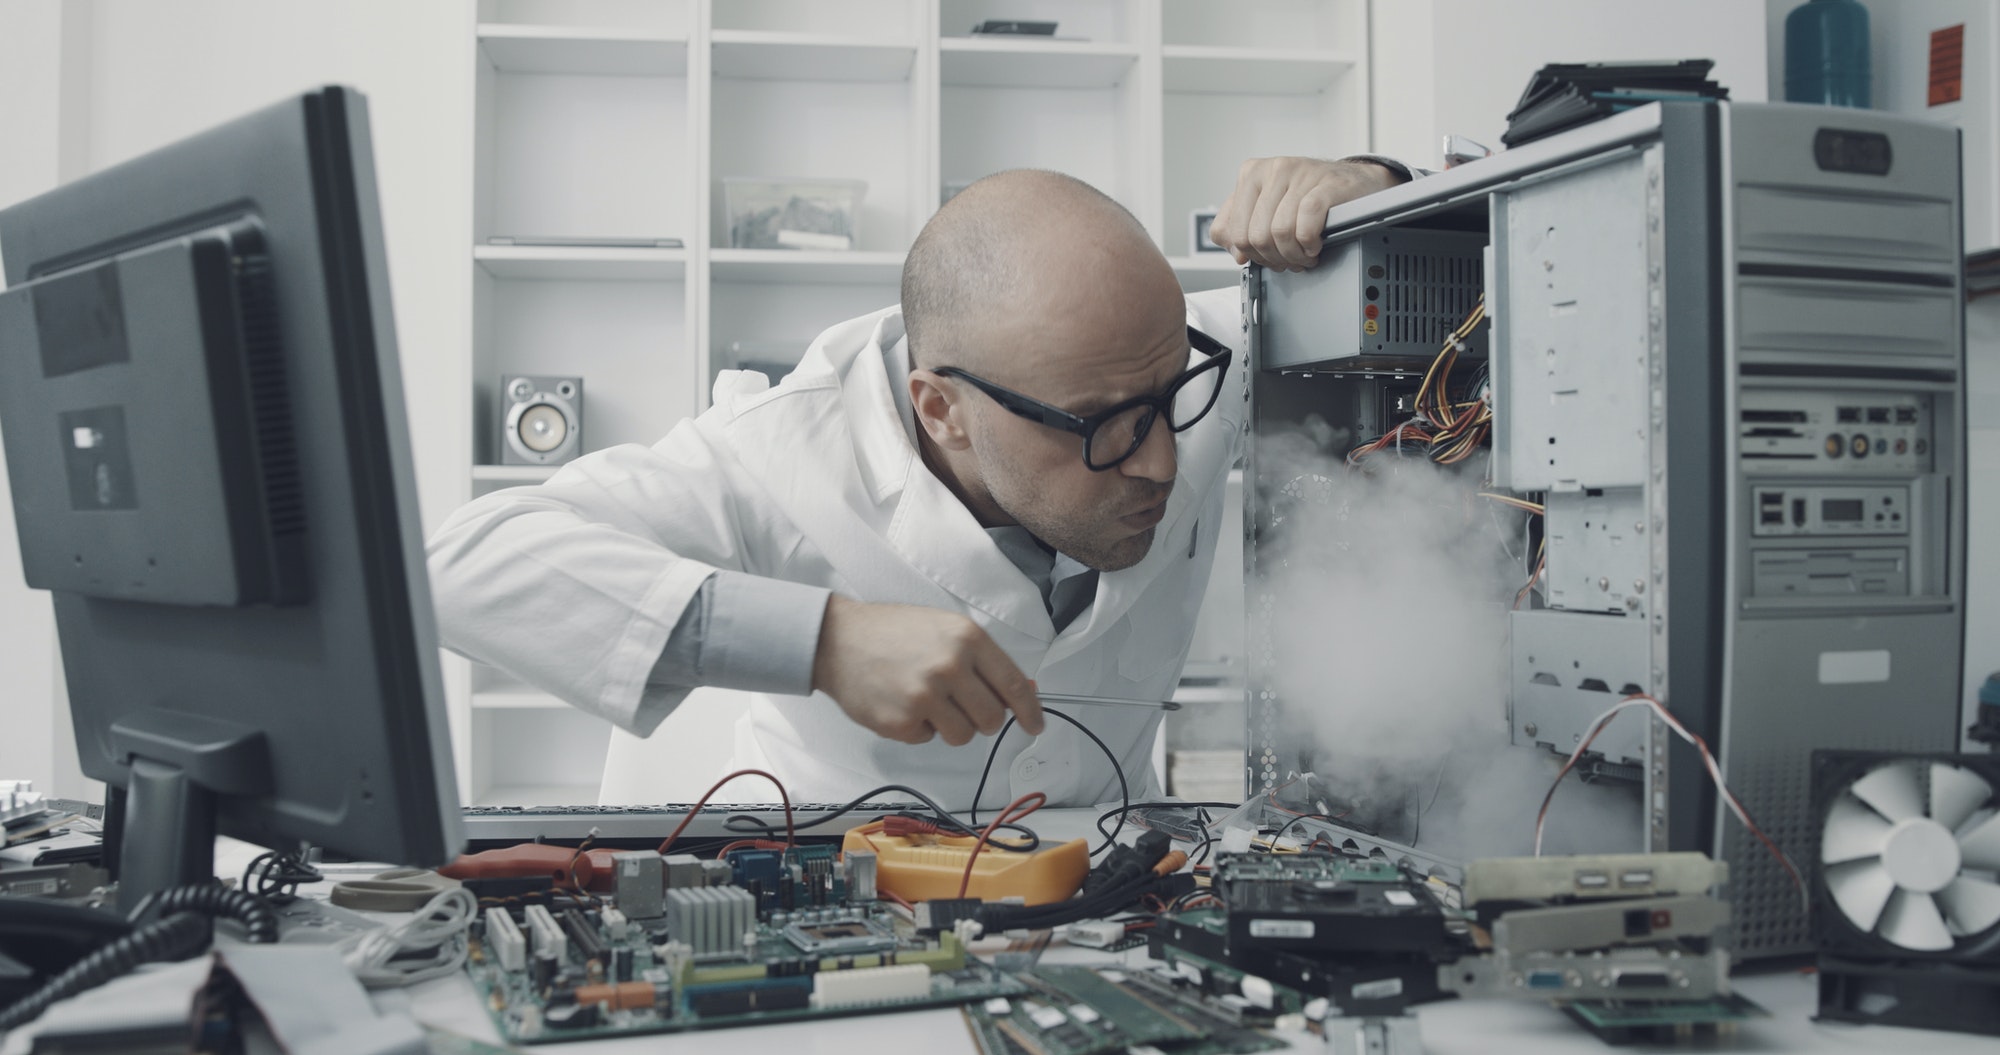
<point x="793" y="213"/>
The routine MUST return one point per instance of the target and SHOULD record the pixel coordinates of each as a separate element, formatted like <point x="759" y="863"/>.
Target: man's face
<point x="1036" y="474"/>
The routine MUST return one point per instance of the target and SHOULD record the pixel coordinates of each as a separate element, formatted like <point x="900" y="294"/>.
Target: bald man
<point x="1010" y="483"/>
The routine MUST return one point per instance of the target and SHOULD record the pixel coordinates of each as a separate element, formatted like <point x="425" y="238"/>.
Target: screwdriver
<point x="1108" y="701"/>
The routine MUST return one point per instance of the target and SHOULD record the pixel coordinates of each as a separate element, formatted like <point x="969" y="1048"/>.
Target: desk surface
<point x="1472" y="1027"/>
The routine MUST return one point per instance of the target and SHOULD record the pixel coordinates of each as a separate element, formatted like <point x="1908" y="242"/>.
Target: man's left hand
<point x="1277" y="212"/>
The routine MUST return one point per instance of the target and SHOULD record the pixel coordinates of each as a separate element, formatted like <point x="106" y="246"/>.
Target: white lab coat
<point x="574" y="585"/>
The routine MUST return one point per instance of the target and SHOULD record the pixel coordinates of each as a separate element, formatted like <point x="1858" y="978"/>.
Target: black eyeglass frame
<point x="1086" y="425"/>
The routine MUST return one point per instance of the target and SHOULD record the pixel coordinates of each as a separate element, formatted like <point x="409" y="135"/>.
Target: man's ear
<point x="940" y="414"/>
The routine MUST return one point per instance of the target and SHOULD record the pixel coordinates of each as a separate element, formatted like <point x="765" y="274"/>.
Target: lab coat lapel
<point x="939" y="536"/>
<point x="931" y="528"/>
<point x="882" y="450"/>
<point x="1117" y="591"/>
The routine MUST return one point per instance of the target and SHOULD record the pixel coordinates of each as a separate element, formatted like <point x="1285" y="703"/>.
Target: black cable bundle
<point x="1123" y="877"/>
<point x="175" y="938"/>
<point x="183" y="929"/>
<point x="997" y="917"/>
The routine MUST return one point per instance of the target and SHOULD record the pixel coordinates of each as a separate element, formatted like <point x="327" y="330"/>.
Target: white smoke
<point x="1390" y="591"/>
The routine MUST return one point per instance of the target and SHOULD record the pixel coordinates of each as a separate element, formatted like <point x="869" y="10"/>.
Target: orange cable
<point x="1032" y="801"/>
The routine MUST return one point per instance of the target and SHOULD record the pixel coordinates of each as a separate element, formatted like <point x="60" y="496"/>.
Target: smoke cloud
<point x="1390" y="590"/>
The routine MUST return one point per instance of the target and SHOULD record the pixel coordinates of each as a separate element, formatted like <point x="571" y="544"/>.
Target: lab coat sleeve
<point x="575" y="586"/>
<point x="745" y="632"/>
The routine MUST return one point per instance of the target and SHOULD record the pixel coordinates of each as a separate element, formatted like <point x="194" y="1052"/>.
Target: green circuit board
<point x="770" y="980"/>
<point x="1663" y="1022"/>
<point x="1072" y="1010"/>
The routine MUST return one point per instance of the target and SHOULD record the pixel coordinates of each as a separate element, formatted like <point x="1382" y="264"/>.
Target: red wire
<point x="1540" y="563"/>
<point x="1541" y="815"/>
<point x="790" y="832"/>
<point x="1032" y="800"/>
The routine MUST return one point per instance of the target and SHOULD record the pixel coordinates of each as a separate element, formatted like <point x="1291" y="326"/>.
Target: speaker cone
<point x="542" y="428"/>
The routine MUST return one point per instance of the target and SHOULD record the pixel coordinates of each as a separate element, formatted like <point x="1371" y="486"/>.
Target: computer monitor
<point x="203" y="419"/>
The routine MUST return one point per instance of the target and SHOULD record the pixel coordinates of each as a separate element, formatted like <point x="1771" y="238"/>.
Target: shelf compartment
<point x="626" y="340"/>
<point x="581" y="262"/>
<point x="756" y="55"/>
<point x="1092" y="134"/>
<point x="783" y="266"/>
<point x="581" y="156"/>
<point x="1096" y="20"/>
<point x="1029" y="62"/>
<point x="1265" y="23"/>
<point x="1251" y="71"/>
<point x="588" y="51"/>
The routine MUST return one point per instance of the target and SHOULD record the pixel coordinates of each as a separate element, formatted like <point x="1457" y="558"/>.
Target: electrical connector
<point x="1126" y="863"/>
<point x="616" y="925"/>
<point x="870" y="985"/>
<point x="504" y="937"/>
<point x="544" y="935"/>
<point x="942" y="914"/>
<point x="1095" y="933"/>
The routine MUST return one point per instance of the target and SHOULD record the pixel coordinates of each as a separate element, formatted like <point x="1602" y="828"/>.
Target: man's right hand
<point x="908" y="673"/>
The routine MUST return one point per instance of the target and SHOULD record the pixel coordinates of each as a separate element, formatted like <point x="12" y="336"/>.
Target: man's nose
<point x="1154" y="460"/>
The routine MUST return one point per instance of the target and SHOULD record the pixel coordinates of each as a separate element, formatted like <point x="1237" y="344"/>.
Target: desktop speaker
<point x="541" y="420"/>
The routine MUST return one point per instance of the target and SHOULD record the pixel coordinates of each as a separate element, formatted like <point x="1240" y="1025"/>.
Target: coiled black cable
<point x="182" y="929"/>
<point x="277" y="876"/>
<point x="176" y="937"/>
<point x="259" y="919"/>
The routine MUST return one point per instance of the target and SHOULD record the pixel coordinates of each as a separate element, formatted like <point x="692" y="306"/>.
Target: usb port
<point x="1636" y="878"/>
<point x="1798" y="512"/>
<point x="1592" y="880"/>
<point x="1906" y="415"/>
<point x="1878" y="415"/>
<point x="1850" y="415"/>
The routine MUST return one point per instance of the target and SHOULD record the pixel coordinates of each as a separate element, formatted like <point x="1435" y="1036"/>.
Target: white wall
<point x="163" y="71"/>
<point x="88" y="83"/>
<point x="1444" y="66"/>
<point x="30" y="71"/>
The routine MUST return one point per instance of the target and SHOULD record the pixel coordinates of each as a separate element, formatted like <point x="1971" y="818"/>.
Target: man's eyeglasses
<point x="1115" y="433"/>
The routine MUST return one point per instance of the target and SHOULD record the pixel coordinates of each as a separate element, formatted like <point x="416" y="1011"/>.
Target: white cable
<point x="1707" y="759"/>
<point x="430" y="944"/>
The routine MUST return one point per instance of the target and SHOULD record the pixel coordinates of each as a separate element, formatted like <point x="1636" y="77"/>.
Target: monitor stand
<point x="177" y="765"/>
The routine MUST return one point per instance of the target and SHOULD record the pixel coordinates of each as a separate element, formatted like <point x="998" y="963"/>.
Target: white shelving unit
<point x="622" y="118"/>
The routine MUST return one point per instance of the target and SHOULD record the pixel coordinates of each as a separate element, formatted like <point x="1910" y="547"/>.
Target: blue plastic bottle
<point x="1826" y="54"/>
